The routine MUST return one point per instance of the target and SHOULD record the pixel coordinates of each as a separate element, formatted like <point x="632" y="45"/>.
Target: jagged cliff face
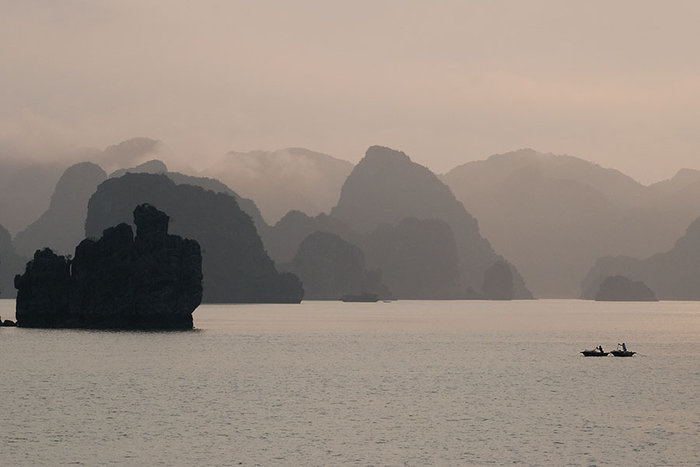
<point x="151" y="281"/>
<point x="61" y="226"/>
<point x="673" y="275"/>
<point x="386" y="187"/>
<point x="235" y="265"/>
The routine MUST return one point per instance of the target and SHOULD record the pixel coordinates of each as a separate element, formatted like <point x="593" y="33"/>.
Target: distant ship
<point x="363" y="297"/>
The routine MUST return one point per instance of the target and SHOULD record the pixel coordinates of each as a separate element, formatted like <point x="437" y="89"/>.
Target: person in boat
<point x="600" y="349"/>
<point x="624" y="347"/>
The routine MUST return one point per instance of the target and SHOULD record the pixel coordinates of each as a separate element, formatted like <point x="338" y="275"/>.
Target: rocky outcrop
<point x="151" y="281"/>
<point x="623" y="289"/>
<point x="386" y="187"/>
<point x="329" y="267"/>
<point x="61" y="226"/>
<point x="235" y="266"/>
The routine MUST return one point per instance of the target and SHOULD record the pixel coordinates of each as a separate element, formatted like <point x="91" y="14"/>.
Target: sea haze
<point x="327" y="383"/>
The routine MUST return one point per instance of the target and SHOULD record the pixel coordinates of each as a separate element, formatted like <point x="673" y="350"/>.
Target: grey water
<point x="331" y="383"/>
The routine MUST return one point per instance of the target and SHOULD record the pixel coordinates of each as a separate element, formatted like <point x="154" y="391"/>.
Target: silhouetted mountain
<point x="622" y="289"/>
<point x="419" y="259"/>
<point x="25" y="190"/>
<point x="10" y="264"/>
<point x="158" y="167"/>
<point x="386" y="187"/>
<point x="61" y="227"/>
<point x="284" y="180"/>
<point x="235" y="265"/>
<point x="674" y="275"/>
<point x="283" y="239"/>
<point x="329" y="267"/>
<point x="151" y="281"/>
<point x="552" y="216"/>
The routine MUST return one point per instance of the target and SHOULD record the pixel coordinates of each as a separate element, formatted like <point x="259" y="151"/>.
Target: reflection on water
<point x="325" y="383"/>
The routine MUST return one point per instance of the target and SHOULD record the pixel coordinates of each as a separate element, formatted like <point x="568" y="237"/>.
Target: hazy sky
<point x="615" y="82"/>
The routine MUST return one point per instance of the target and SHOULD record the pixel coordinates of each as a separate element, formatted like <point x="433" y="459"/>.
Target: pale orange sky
<point x="617" y="83"/>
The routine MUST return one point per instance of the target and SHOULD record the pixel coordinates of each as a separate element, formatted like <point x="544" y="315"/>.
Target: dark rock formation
<point x="8" y="323"/>
<point x="151" y="281"/>
<point x="329" y="267"/>
<point x="498" y="282"/>
<point x="673" y="275"/>
<point x="61" y="226"/>
<point x="418" y="259"/>
<point x="283" y="239"/>
<point x="622" y="289"/>
<point x="386" y="187"/>
<point x="235" y="265"/>
<point x="158" y="167"/>
<point x="11" y="264"/>
<point x="284" y="180"/>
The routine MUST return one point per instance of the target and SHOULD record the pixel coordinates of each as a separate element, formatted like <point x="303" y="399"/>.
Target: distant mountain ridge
<point x="553" y="216"/>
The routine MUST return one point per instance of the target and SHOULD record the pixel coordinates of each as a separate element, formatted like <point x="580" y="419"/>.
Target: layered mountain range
<point x="409" y="225"/>
<point x="549" y="217"/>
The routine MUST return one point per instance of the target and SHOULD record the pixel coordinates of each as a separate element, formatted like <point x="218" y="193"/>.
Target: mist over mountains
<point x="284" y="180"/>
<point x="496" y="228"/>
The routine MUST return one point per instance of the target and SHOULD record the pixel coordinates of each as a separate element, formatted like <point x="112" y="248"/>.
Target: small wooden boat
<point x="594" y="353"/>
<point x="622" y="353"/>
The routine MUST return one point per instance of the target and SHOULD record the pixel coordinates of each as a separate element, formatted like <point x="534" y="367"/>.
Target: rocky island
<point x="623" y="289"/>
<point x="150" y="281"/>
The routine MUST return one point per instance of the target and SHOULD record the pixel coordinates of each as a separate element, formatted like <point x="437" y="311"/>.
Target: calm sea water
<point x="326" y="383"/>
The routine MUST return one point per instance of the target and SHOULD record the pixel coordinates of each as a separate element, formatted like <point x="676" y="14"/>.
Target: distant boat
<point x="363" y="297"/>
<point x="594" y="353"/>
<point x="622" y="353"/>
